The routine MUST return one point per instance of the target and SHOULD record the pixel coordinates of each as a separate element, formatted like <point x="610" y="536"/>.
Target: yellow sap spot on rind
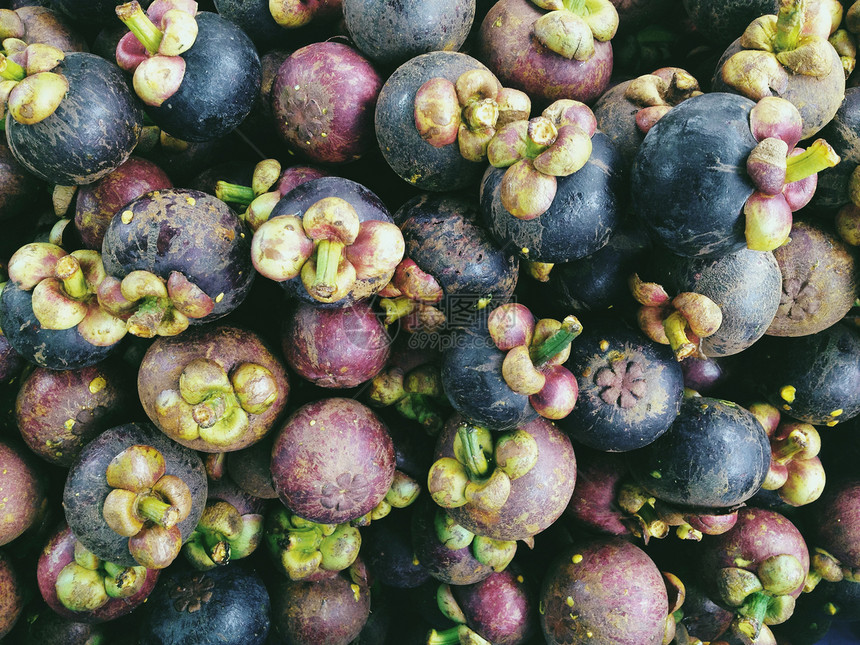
<point x="836" y="413"/>
<point x="832" y="423"/>
<point x="97" y="384"/>
<point x="126" y="217"/>
<point x="787" y="393"/>
<point x="190" y="200"/>
<point x="604" y="345"/>
<point x="569" y="601"/>
<point x="576" y="559"/>
<point x="356" y="591"/>
<point x="219" y="297"/>
<point x="312" y="422"/>
<point x="520" y="579"/>
<point x="69" y="424"/>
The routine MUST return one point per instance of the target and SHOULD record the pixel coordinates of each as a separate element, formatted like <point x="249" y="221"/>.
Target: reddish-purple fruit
<point x="335" y="348"/>
<point x="22" y="492"/>
<point x="500" y="608"/>
<point x="534" y="498"/>
<point x="61" y="554"/>
<point x="603" y="591"/>
<point x="98" y="202"/>
<point x="511" y="51"/>
<point x="331" y="611"/>
<point x="323" y="100"/>
<point x="58" y="412"/>
<point x="11" y="598"/>
<point x="214" y="389"/>
<point x="333" y="461"/>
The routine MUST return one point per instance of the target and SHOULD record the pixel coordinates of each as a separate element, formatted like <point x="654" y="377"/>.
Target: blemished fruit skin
<point x="596" y="575"/>
<point x="715" y="455"/>
<point x="91" y="133"/>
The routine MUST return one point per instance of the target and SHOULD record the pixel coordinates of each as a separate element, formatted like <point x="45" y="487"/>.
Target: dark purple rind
<point x="93" y="130"/>
<point x="188" y="231"/>
<point x="86" y="487"/>
<point x="333" y="610"/>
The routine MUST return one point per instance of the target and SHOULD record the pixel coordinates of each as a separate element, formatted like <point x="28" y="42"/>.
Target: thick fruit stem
<point x="789" y="23"/>
<point x="542" y="353"/>
<point x="753" y="614"/>
<point x="133" y="16"/>
<point x="329" y="253"/>
<point x="234" y="193"/>
<point x="155" y="510"/>
<point x="476" y="460"/>
<point x="815" y="158"/>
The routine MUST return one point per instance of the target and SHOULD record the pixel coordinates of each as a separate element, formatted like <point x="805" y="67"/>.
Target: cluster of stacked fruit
<point x="386" y="322"/>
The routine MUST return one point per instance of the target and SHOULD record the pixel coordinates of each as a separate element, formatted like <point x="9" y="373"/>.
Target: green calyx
<point x="87" y="583"/>
<point x="302" y="547"/>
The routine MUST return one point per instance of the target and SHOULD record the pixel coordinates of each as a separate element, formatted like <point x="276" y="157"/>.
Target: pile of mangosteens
<point x="456" y="322"/>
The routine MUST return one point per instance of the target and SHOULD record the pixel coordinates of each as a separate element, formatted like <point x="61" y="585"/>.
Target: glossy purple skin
<point x="22" y="491"/>
<point x="58" y="412"/>
<point x="593" y="505"/>
<point x="835" y="522"/>
<point x="386" y="548"/>
<point x="60" y="551"/>
<point x="323" y="101"/>
<point x="508" y="48"/>
<point x="332" y="461"/>
<point x="757" y="535"/>
<point x="617" y="591"/>
<point x="451" y="566"/>
<point x="501" y="608"/>
<point x="188" y="231"/>
<point x="537" y="499"/>
<point x="98" y="202"/>
<point x="226" y="490"/>
<point x="702" y="374"/>
<point x="335" y="348"/>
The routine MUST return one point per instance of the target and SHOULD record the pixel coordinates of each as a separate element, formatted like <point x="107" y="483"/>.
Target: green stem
<point x="753" y="614"/>
<point x="421" y="408"/>
<point x="234" y="193"/>
<point x="445" y="637"/>
<point x="782" y="450"/>
<point x="675" y="327"/>
<point x="476" y="460"/>
<point x="652" y="525"/>
<point x="789" y="23"/>
<point x="70" y="272"/>
<point x="542" y="353"/>
<point x="10" y="70"/>
<point x="133" y="16"/>
<point x="815" y="158"/>
<point x="328" y="259"/>
<point x="156" y="510"/>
